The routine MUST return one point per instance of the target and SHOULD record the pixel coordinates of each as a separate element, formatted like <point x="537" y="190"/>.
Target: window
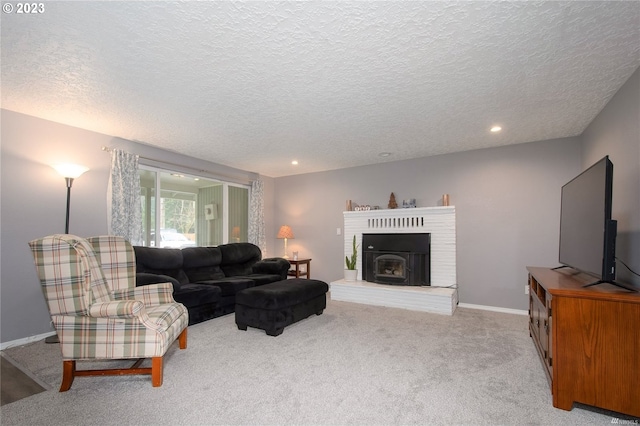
<point x="191" y="210"/>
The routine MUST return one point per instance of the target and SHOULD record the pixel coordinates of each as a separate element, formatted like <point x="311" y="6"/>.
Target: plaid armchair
<point x="97" y="310"/>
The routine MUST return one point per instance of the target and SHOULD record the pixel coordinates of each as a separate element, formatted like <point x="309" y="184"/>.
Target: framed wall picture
<point x="211" y="211"/>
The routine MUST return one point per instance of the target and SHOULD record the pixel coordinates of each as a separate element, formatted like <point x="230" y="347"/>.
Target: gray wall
<point x="34" y="203"/>
<point x="507" y="205"/>
<point x="616" y="132"/>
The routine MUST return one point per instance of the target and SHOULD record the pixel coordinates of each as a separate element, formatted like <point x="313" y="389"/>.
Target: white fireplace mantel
<point x="440" y="222"/>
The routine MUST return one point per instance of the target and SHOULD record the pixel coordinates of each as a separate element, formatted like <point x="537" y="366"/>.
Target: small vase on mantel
<point x="350" y="274"/>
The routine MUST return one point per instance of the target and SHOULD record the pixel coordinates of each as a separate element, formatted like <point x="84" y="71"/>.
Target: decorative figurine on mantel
<point x="409" y="204"/>
<point x="392" y="202"/>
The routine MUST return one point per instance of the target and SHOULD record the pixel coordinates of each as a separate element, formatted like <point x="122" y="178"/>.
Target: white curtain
<point x="256" y="216"/>
<point x="124" y="197"/>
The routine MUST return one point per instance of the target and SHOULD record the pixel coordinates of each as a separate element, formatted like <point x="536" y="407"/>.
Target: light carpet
<point x="355" y="364"/>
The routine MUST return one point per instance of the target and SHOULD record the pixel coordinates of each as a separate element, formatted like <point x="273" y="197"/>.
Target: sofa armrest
<point x="145" y="278"/>
<point x="272" y="265"/>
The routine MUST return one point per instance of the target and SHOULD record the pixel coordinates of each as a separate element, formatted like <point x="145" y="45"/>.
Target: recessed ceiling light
<point x="384" y="154"/>
<point x="294" y="162"/>
<point x="496" y="129"/>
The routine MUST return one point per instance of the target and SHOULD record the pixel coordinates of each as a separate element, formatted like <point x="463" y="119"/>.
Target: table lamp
<point x="286" y="233"/>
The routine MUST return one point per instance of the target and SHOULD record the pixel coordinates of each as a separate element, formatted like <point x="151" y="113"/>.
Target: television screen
<point x="587" y="233"/>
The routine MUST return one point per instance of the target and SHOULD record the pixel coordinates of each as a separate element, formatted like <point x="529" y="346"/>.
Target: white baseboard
<point x="494" y="309"/>
<point x="26" y="340"/>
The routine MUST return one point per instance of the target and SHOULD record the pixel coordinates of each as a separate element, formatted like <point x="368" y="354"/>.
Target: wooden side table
<point x="296" y="272"/>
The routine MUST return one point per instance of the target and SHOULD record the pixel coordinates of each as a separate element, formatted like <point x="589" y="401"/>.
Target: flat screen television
<point x="587" y="232"/>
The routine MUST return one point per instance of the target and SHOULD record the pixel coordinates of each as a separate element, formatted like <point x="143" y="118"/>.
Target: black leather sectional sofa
<point x="206" y="279"/>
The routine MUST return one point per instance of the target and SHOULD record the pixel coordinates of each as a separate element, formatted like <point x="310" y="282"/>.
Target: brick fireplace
<point x="439" y="224"/>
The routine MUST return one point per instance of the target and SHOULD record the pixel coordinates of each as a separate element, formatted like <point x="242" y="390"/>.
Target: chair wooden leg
<point x="182" y="339"/>
<point x="156" y="371"/>
<point x="68" y="373"/>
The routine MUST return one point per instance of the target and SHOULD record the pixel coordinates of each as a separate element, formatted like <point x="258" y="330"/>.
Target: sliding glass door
<point x="191" y="210"/>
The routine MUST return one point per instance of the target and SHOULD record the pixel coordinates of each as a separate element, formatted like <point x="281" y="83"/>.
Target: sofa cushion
<point x="145" y="278"/>
<point x="191" y="295"/>
<point x="161" y="261"/>
<point x="261" y="279"/>
<point x="202" y="263"/>
<point x="238" y="258"/>
<point x="230" y="286"/>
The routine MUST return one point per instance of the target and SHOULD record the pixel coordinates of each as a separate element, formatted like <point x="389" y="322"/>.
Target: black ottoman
<point x="272" y="307"/>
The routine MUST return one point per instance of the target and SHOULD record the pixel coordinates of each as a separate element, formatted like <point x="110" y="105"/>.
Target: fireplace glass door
<point x="396" y="268"/>
<point x="390" y="267"/>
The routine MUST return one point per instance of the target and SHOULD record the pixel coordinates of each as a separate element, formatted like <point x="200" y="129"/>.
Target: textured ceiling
<point x="331" y="84"/>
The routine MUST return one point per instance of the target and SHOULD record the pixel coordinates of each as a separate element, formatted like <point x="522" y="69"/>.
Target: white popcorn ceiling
<point x="331" y="84"/>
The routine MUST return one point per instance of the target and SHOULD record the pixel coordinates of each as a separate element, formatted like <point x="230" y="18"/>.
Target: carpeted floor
<point x="355" y="364"/>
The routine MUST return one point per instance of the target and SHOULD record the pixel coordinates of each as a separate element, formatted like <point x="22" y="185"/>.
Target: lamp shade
<point x="235" y="232"/>
<point x="70" y="170"/>
<point x="285" y="232"/>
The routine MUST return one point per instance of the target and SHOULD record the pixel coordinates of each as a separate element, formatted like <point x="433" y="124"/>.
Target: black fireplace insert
<point x="397" y="259"/>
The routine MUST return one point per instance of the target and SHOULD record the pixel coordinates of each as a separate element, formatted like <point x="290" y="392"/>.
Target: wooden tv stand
<point x="588" y="339"/>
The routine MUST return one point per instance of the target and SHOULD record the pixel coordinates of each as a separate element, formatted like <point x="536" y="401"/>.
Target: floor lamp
<point x="286" y="233"/>
<point x="69" y="172"/>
